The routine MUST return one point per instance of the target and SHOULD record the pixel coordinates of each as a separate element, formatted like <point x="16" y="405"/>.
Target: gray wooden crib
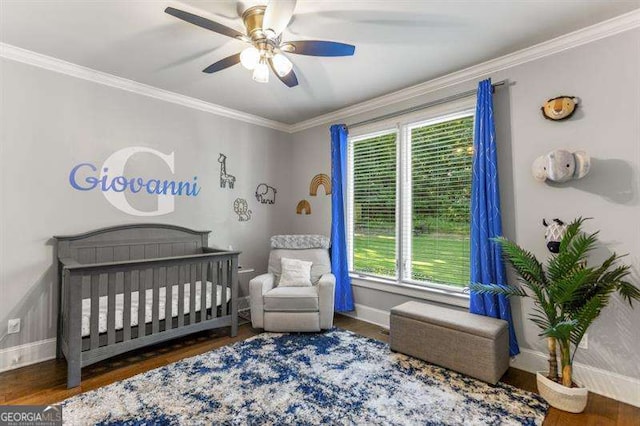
<point x="147" y="282"/>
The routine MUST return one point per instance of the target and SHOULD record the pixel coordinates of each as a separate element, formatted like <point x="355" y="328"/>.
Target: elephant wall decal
<point x="266" y="194"/>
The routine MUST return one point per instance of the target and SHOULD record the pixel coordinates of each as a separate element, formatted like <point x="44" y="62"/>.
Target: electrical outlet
<point x="584" y="343"/>
<point x="13" y="326"/>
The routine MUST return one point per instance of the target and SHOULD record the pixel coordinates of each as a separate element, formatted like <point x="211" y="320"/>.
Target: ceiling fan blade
<point x="290" y="79"/>
<point x="227" y="62"/>
<point x="318" y="48"/>
<point x="277" y="15"/>
<point x="204" y="23"/>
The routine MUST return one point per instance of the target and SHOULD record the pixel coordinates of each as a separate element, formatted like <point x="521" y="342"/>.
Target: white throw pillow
<point x="295" y="273"/>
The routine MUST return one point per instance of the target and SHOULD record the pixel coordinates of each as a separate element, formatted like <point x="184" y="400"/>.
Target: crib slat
<point x="168" y="307"/>
<point x="203" y="292"/>
<point x="111" y="309"/>
<point x="233" y="266"/>
<point x="223" y="283"/>
<point x="126" y="314"/>
<point x="155" y="306"/>
<point x="214" y="290"/>
<point x="141" y="302"/>
<point x="181" y="281"/>
<point x="95" y="311"/>
<point x="215" y="267"/>
<point x="195" y="275"/>
<point x="192" y="293"/>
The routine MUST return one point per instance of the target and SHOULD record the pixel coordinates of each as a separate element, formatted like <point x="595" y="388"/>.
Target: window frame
<point x="402" y="126"/>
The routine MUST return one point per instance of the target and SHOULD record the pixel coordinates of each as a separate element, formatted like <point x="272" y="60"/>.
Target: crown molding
<point x="18" y="54"/>
<point x="613" y="26"/>
<point x="567" y="41"/>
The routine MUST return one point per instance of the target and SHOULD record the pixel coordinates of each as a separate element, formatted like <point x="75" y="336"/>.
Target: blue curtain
<point x="487" y="265"/>
<point x="339" y="266"/>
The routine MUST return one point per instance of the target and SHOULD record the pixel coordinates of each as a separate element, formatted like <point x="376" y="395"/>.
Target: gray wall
<point x="604" y="74"/>
<point x="51" y="122"/>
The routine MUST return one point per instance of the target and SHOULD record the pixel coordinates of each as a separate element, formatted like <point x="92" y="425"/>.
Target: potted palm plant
<point x="568" y="296"/>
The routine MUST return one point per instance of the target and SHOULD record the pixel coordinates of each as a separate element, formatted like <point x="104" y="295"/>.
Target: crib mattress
<point x="119" y="306"/>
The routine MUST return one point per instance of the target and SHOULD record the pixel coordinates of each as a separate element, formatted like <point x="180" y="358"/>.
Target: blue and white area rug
<point x="336" y="377"/>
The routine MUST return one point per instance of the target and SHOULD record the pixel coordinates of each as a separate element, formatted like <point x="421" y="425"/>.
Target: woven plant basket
<point x="573" y="400"/>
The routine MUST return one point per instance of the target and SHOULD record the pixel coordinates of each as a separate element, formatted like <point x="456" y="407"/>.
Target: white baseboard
<point x="597" y="380"/>
<point x="612" y="385"/>
<point x="370" y="315"/>
<point x="27" y="354"/>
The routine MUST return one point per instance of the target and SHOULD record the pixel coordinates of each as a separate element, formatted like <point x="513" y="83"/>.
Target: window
<point x="409" y="201"/>
<point x="372" y="209"/>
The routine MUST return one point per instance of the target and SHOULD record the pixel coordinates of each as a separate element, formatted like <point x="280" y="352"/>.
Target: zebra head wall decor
<point x="554" y="234"/>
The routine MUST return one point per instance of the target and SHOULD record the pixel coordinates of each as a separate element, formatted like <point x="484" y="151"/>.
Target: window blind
<point x="441" y="159"/>
<point x="373" y="201"/>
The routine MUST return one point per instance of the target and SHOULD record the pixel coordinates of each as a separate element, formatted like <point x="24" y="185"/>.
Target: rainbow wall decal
<point x="303" y="205"/>
<point x="320" y="179"/>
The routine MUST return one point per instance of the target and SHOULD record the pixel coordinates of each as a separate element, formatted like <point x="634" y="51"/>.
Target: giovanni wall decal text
<point x="114" y="184"/>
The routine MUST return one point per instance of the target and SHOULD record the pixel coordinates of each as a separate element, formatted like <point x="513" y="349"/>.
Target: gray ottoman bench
<point x="474" y="345"/>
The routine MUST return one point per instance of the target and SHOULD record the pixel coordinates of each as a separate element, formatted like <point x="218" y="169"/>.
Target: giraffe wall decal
<point x="224" y="177"/>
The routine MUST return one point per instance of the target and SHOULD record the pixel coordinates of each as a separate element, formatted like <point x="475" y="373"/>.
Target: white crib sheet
<point x="119" y="308"/>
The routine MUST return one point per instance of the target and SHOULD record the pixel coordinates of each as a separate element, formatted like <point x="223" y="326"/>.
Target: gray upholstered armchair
<point x="283" y="309"/>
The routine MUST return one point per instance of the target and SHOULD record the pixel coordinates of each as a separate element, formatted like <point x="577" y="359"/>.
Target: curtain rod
<point x="422" y="106"/>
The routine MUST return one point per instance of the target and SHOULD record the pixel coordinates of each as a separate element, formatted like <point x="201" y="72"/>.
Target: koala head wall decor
<point x="561" y="166"/>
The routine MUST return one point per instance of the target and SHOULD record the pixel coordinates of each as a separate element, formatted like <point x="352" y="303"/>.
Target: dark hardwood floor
<point x="44" y="383"/>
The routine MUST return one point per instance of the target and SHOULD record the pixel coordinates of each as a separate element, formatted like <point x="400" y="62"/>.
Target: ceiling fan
<point x="264" y="26"/>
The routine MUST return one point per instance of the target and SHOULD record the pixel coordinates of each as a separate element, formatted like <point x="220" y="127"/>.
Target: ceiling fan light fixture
<point x="261" y="72"/>
<point x="250" y="57"/>
<point x="265" y="27"/>
<point x="282" y="64"/>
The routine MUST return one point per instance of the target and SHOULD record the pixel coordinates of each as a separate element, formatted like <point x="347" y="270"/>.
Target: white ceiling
<point x="398" y="44"/>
